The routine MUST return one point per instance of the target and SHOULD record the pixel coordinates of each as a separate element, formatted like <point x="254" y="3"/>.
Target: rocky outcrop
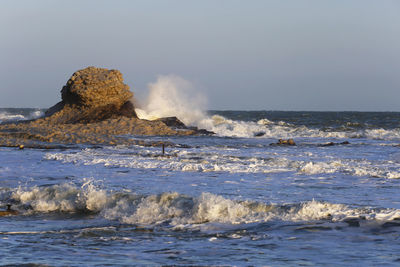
<point x="96" y="108"/>
<point x="92" y="95"/>
<point x="111" y="131"/>
<point x="173" y="122"/>
<point x="176" y="124"/>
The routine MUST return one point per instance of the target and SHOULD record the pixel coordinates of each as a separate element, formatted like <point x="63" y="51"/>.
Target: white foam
<point x="35" y="114"/>
<point x="224" y="160"/>
<point x="180" y="210"/>
<point x="382" y="134"/>
<point x="264" y="122"/>
<point x="7" y="116"/>
<point x="320" y="167"/>
<point x="219" y="160"/>
<point x="248" y="129"/>
<point x="65" y="197"/>
<point x="170" y="96"/>
<point x="350" y="167"/>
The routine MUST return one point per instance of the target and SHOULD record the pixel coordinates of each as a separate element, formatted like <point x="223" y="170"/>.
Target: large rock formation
<point x="95" y="109"/>
<point x="92" y="95"/>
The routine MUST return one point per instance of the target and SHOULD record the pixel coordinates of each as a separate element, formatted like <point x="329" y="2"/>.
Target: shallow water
<point x="230" y="199"/>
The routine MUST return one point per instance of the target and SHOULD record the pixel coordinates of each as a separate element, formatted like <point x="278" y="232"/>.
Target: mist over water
<point x="170" y="96"/>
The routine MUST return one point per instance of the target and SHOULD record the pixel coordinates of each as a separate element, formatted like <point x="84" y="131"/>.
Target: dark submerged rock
<point x="202" y="131"/>
<point x="335" y="144"/>
<point x="393" y="223"/>
<point x="285" y="142"/>
<point x="354" y="222"/>
<point x="173" y="122"/>
<point x="259" y="134"/>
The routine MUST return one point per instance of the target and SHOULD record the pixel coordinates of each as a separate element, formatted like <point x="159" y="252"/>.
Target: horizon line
<point x="251" y="110"/>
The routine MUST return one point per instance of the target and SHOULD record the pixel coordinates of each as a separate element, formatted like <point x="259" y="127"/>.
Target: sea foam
<point x="221" y="159"/>
<point x="15" y="116"/>
<point x="178" y="209"/>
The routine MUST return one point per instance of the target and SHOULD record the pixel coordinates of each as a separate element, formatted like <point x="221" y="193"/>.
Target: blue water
<point x="229" y="199"/>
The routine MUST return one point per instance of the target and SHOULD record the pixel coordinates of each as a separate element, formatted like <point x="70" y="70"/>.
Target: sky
<point x="242" y="55"/>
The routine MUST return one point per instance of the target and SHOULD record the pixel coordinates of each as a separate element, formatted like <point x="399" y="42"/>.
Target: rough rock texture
<point x="110" y="131"/>
<point x="173" y="122"/>
<point x="95" y="109"/>
<point x="177" y="124"/>
<point x="92" y="95"/>
<point x="96" y="87"/>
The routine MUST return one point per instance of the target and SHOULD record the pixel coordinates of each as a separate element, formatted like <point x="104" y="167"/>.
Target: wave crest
<point x="7" y="116"/>
<point x="178" y="209"/>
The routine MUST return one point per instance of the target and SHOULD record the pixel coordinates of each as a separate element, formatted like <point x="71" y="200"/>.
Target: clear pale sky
<point x="244" y="55"/>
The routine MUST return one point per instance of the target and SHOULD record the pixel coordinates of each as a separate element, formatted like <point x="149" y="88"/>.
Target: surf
<point x="180" y="209"/>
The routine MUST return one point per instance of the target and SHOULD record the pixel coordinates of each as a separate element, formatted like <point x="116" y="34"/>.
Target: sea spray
<point x="170" y="96"/>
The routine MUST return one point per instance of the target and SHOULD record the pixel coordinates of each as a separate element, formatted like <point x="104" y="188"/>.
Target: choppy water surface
<point x="230" y="199"/>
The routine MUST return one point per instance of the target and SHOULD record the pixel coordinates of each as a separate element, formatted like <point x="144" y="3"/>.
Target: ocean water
<point x="228" y="199"/>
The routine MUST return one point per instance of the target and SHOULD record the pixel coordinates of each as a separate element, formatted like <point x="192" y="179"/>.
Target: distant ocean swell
<point x="230" y="124"/>
<point x="17" y="114"/>
<point x="266" y="128"/>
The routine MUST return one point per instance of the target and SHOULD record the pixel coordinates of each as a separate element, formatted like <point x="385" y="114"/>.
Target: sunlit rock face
<point x="91" y="95"/>
<point x="96" y="108"/>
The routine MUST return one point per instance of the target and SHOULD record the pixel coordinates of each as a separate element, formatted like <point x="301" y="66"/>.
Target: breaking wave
<point x="266" y="128"/>
<point x="223" y="160"/>
<point x="178" y="210"/>
<point x="171" y="96"/>
<point x="10" y="116"/>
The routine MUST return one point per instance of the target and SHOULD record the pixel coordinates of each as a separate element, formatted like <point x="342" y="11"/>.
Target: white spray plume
<point x="170" y="96"/>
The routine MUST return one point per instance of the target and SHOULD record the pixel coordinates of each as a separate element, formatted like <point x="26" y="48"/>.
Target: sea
<point x="232" y="199"/>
